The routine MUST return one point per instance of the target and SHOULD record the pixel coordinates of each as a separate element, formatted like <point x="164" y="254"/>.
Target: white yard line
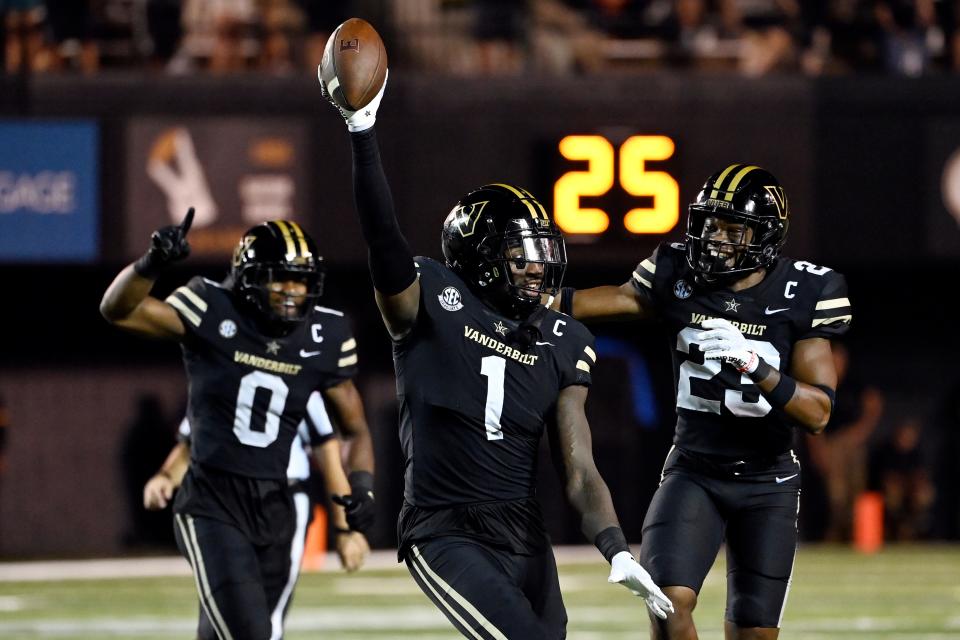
<point x="159" y="567"/>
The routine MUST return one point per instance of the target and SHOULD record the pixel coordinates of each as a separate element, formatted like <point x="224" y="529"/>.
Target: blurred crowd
<point x="752" y="37"/>
<point x="898" y="454"/>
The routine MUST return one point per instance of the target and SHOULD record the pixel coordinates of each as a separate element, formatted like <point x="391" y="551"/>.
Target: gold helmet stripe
<point x="723" y="176"/>
<point x="736" y="181"/>
<point x="301" y="238"/>
<point x="285" y="232"/>
<point x="533" y="198"/>
<point x="525" y="198"/>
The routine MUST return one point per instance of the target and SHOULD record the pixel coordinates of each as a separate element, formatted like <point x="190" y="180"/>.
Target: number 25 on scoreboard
<point x="599" y="177"/>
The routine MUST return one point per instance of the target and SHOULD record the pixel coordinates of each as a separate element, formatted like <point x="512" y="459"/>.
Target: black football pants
<point x="698" y="506"/>
<point x="488" y="593"/>
<point x="244" y="588"/>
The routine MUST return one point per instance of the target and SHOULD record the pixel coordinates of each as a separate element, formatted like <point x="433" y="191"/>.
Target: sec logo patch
<point x="682" y="289"/>
<point x="450" y="299"/>
<point x="228" y="328"/>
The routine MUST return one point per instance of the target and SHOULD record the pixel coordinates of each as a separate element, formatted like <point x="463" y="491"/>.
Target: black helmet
<point x="745" y="195"/>
<point x="494" y="226"/>
<point x="276" y="251"/>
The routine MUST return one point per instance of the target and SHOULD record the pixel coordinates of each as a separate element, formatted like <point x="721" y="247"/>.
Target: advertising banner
<point x="49" y="192"/>
<point x="236" y="173"/>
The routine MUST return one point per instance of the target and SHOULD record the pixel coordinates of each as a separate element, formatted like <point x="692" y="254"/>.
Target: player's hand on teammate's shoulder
<point x="167" y="245"/>
<point x="625" y="570"/>
<point x="157" y="492"/>
<point x="353" y="549"/>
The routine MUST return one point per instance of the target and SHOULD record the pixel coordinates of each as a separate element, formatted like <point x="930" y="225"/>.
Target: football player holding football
<point x="750" y="333"/>
<point x="255" y="347"/>
<point x="483" y="370"/>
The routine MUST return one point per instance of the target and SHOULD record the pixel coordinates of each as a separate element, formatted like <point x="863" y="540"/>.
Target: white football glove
<point x="723" y="341"/>
<point x="628" y="572"/>
<point x="361" y="119"/>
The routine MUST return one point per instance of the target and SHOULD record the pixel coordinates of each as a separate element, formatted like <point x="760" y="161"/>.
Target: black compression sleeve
<point x="391" y="262"/>
<point x="611" y="541"/>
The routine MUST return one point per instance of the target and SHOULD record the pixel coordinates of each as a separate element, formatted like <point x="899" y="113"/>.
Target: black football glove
<point x="167" y="245"/>
<point x="360" y="506"/>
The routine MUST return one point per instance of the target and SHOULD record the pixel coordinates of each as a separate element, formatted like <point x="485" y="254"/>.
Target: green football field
<point x="901" y="593"/>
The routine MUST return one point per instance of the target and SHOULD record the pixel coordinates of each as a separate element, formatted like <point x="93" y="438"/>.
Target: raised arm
<point x="127" y="302"/>
<point x="572" y="450"/>
<point x="391" y="262"/>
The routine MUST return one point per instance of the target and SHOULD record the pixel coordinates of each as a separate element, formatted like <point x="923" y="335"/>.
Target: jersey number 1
<point x="494" y="367"/>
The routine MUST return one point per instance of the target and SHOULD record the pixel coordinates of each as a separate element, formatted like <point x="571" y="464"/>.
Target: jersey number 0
<point x="243" y="421"/>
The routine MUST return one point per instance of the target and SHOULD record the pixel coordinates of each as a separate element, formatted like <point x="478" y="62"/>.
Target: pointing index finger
<point x="187" y="221"/>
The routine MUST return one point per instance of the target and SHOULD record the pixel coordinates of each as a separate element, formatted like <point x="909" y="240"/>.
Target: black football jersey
<point x="248" y="391"/>
<point x="720" y="411"/>
<point x="313" y="431"/>
<point x="473" y="408"/>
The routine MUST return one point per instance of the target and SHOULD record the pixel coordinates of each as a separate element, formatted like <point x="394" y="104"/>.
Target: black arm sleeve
<point x="391" y="262"/>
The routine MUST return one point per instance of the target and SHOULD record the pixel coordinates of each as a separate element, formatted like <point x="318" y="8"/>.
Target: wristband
<point x="830" y="394"/>
<point x="781" y="394"/>
<point x="761" y="372"/>
<point x="361" y="482"/>
<point x="566" y="300"/>
<point x="148" y="266"/>
<point x="610" y="542"/>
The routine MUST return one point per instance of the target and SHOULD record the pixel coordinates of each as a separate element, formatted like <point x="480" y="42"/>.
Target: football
<point x="354" y="64"/>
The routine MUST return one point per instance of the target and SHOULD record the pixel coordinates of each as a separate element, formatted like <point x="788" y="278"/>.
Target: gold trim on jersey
<point x="182" y="307"/>
<point x="590" y="353"/>
<point x="346" y="362"/>
<point x="649" y="265"/>
<point x="197" y="301"/>
<point x="833" y="304"/>
<point x="642" y="280"/>
<point x="348" y="344"/>
<point x="583" y="366"/>
<point x="819" y="321"/>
